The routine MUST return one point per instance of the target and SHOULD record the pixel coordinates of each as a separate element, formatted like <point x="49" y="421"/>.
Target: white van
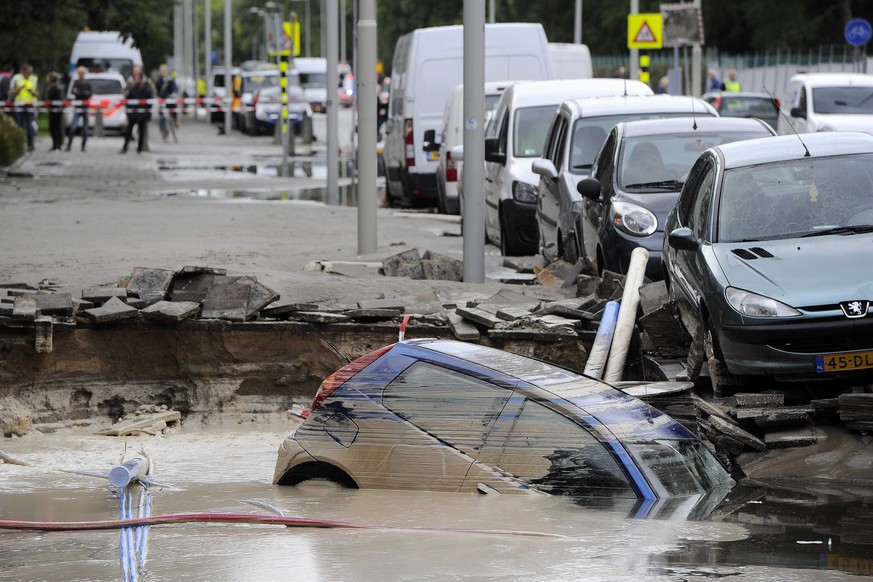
<point x="515" y="138"/>
<point x="571" y="61"/>
<point x="102" y="51"/>
<point x="828" y="102"/>
<point x="448" y="169"/>
<point x="313" y="79"/>
<point x="428" y="64"/>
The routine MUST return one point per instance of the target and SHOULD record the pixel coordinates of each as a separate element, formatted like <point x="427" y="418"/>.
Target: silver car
<point x="578" y="130"/>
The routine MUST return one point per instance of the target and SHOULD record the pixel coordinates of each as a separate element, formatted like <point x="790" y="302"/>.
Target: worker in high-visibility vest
<point x="23" y="88"/>
<point x="732" y="84"/>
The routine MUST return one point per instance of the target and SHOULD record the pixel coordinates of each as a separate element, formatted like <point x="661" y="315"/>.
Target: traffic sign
<point x="858" y="32"/>
<point x="645" y="31"/>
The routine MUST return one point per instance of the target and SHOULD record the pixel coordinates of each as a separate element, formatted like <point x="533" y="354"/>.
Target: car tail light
<point x="778" y="102"/>
<point x="410" y="143"/>
<point x="343" y="375"/>
<point x="451" y="168"/>
<point x="716" y="103"/>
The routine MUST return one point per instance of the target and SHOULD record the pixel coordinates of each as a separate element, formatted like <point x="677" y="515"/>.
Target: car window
<point x="698" y="217"/>
<point x="603" y="168"/>
<point x="106" y="86"/>
<point x="691" y="188"/>
<point x="560" y="145"/>
<point x="556" y="454"/>
<point x="529" y="130"/>
<point x="552" y="151"/>
<point x="252" y="82"/>
<point x="659" y="163"/>
<point x="504" y="133"/>
<point x="682" y="467"/>
<point x="454" y="407"/>
<point x="801" y="103"/>
<point x="762" y="107"/>
<point x="843" y="100"/>
<point x="801" y="197"/>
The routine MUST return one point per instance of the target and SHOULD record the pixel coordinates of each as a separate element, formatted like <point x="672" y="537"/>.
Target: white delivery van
<point x="313" y="79"/>
<point x="102" y="51"/>
<point x="428" y="64"/>
<point x="448" y="169"/>
<point x="571" y="61"/>
<point x="828" y="102"/>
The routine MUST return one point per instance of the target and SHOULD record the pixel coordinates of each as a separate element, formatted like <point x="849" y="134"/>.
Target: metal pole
<point x="195" y="40"/>
<point x="474" y="152"/>
<point x="491" y="12"/>
<point x="228" y="76"/>
<point x="207" y="47"/>
<point x="577" y="28"/>
<point x="365" y="74"/>
<point x="177" y="37"/>
<point x="696" y="65"/>
<point x="634" y="68"/>
<point x="342" y="50"/>
<point x="308" y="29"/>
<point x="332" y="45"/>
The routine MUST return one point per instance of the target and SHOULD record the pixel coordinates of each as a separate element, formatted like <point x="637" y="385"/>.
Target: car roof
<point x="527" y="93"/>
<point x="735" y="94"/>
<point x="597" y="106"/>
<point x="686" y="125"/>
<point x="622" y="415"/>
<point x="833" y="79"/>
<point x="789" y="147"/>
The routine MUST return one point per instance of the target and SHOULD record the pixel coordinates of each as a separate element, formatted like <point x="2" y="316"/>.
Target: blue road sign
<point x="858" y="32"/>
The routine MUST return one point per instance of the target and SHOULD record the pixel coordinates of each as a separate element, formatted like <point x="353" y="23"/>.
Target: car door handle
<point x="489" y="180"/>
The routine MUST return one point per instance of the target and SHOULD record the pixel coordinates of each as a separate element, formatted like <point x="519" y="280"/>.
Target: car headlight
<point x="754" y="305"/>
<point x="524" y="192"/>
<point x="632" y="218"/>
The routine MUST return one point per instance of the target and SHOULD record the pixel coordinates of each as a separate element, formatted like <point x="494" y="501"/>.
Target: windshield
<point x="529" y="132"/>
<point x="313" y="80"/>
<point x="106" y="86"/>
<point x="802" y="197"/>
<point x="659" y="163"/>
<point x="589" y="133"/>
<point x="99" y="65"/>
<point x="252" y="82"/>
<point x="679" y="467"/>
<point x="759" y="107"/>
<point x="844" y="100"/>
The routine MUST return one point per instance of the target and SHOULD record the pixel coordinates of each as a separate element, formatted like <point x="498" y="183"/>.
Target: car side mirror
<point x="491" y="153"/>
<point x="683" y="239"/>
<point x="545" y="168"/>
<point x="430" y="143"/>
<point x="798" y="112"/>
<point x="589" y="188"/>
<point x="458" y="153"/>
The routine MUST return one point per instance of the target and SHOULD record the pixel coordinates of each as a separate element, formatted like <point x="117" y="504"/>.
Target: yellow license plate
<point x="844" y="362"/>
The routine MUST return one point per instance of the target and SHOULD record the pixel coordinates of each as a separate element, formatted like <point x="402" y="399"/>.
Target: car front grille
<point x="825" y="344"/>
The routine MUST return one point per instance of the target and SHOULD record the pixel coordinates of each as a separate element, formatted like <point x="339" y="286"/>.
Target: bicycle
<point x="167" y="125"/>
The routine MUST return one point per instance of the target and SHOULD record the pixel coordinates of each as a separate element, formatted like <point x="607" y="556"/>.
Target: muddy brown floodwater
<point x="220" y="466"/>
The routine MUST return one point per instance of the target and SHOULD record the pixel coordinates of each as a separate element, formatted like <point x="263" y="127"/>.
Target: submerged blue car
<point x="445" y="415"/>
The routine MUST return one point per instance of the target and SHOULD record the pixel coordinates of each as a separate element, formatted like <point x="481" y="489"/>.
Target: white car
<point x="828" y="102"/>
<point x="107" y="95"/>
<point x="449" y="169"/>
<point x="515" y="138"/>
<point x="267" y="108"/>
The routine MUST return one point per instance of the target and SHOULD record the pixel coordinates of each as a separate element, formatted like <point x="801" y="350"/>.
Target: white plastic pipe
<point x="627" y="314"/>
<point x="135" y="468"/>
<point x="602" y="341"/>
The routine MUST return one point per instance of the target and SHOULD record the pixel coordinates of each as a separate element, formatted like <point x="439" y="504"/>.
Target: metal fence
<point x="758" y="71"/>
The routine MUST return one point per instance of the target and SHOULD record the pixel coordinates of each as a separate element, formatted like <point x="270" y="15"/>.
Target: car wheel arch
<point x="317" y="470"/>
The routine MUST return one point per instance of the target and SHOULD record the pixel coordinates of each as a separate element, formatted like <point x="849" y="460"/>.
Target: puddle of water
<point x="754" y="534"/>
<point x="347" y="194"/>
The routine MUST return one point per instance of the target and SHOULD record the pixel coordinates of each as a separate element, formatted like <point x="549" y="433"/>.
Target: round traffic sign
<point x="858" y="32"/>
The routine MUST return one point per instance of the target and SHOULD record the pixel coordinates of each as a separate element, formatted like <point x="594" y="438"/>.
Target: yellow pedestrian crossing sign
<point x="645" y="31"/>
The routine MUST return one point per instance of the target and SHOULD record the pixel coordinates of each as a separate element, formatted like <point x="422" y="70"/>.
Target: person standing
<point x="55" y="96"/>
<point x="138" y="113"/>
<point x="81" y="92"/>
<point x="732" y="84"/>
<point x="714" y="83"/>
<point x="23" y="89"/>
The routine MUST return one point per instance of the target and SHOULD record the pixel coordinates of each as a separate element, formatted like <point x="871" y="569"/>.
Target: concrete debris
<point x="259" y="296"/>
<point x="54" y="303"/>
<point x="556" y="275"/>
<point x="25" y="309"/>
<point x="320" y="317"/>
<point x="462" y="329"/>
<point x="113" y="310"/>
<point x="790" y="438"/>
<point x="150" y="285"/>
<point x="15" y="419"/>
<point x="191" y="286"/>
<point x="437" y="267"/>
<point x="405" y="264"/>
<point x="44" y="325"/>
<point x="653" y="296"/>
<point x="524" y="265"/>
<point x="281" y="310"/>
<point x="136" y="302"/>
<point x="150" y="424"/>
<point x="171" y="311"/>
<point x="610" y="285"/>
<point x="586" y="285"/>
<point x="392" y="304"/>
<point x="227" y="300"/>
<point x="718" y="429"/>
<point x="190" y="269"/>
<point x="373" y="314"/>
<point x="100" y="295"/>
<point x="856" y="410"/>
<point x="479" y="316"/>
<point x="758" y="400"/>
<point x="352" y="269"/>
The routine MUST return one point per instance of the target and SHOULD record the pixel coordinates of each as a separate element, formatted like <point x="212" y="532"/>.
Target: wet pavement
<point x="755" y="534"/>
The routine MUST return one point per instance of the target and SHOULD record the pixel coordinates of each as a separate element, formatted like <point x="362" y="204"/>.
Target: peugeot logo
<point x="855" y="309"/>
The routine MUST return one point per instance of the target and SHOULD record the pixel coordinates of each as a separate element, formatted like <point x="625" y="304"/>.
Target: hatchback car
<point x="267" y="108"/>
<point x="636" y="179"/>
<point x="767" y="259"/>
<point x="828" y="102"/>
<point x="444" y="415"/>
<point x="745" y="104"/>
<point x="107" y="90"/>
<point x="577" y="131"/>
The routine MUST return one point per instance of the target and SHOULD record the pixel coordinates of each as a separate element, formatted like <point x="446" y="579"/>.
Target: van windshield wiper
<point x="661" y="185"/>
<point x="852" y="229"/>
